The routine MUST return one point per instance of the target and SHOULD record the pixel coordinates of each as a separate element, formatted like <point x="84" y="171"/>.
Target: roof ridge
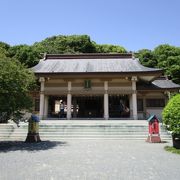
<point x="89" y="56"/>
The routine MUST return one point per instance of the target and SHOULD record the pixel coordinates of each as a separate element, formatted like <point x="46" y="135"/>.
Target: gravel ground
<point x="88" y="160"/>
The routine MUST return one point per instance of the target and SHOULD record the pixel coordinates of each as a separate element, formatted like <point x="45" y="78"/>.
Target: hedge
<point x="171" y="115"/>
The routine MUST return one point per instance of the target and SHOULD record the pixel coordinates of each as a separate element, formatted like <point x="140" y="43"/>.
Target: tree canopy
<point x="4" y="48"/>
<point x="108" y="48"/>
<point x="74" y="44"/>
<point x="15" y="84"/>
<point x="66" y="44"/>
<point x="27" y="55"/>
<point x="165" y="57"/>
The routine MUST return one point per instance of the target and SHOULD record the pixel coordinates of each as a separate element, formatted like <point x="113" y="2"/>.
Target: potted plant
<point x="171" y="119"/>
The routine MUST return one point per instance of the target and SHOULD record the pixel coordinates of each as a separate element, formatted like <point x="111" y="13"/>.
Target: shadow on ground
<point x="7" y="146"/>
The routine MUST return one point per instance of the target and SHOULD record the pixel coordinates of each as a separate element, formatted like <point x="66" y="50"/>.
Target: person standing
<point x="61" y="109"/>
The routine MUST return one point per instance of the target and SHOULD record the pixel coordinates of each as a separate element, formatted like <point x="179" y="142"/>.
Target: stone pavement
<point x="88" y="160"/>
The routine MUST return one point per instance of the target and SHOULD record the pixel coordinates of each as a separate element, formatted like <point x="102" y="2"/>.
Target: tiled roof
<point x="165" y="83"/>
<point x="158" y="84"/>
<point x="91" y="64"/>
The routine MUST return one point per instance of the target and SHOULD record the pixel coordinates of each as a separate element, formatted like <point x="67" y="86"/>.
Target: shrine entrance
<point x="119" y="106"/>
<point x="88" y="107"/>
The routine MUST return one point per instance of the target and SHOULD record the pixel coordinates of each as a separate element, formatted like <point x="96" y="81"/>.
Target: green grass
<point x="172" y="149"/>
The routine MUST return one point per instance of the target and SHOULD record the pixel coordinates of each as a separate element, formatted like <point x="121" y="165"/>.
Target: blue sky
<point x="133" y="24"/>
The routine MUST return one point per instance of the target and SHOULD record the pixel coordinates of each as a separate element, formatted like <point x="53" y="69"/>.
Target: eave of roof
<point x="153" y="73"/>
<point x="159" y="85"/>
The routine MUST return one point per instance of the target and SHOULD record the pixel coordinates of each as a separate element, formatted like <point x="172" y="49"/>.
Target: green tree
<point x="168" y="58"/>
<point x="4" y="48"/>
<point x="165" y="57"/>
<point x="15" y="84"/>
<point x="66" y="44"/>
<point x="108" y="48"/>
<point x="27" y="55"/>
<point x="147" y="57"/>
<point x="74" y="44"/>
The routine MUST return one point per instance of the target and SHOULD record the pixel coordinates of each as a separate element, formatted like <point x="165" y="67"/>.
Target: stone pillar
<point x="134" y="97"/>
<point x="41" y="107"/>
<point x="46" y="106"/>
<point x="69" y="97"/>
<point x="106" y="101"/>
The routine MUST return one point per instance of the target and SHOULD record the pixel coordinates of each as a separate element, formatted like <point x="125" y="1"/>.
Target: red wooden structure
<point x="154" y="135"/>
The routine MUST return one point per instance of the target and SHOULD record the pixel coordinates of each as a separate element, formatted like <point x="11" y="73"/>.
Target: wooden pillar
<point x="69" y="98"/>
<point x="41" y="108"/>
<point x="130" y="106"/>
<point x="106" y="101"/>
<point x="134" y="97"/>
<point x="46" y="106"/>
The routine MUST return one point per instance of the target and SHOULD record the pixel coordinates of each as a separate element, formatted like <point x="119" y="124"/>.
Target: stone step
<point x="79" y="133"/>
<point x="59" y="130"/>
<point x="61" y="134"/>
<point x="82" y="132"/>
<point x="75" y="125"/>
<point x="56" y="131"/>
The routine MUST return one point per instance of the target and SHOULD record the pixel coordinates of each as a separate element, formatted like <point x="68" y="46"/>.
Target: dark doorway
<point x="54" y="106"/>
<point x="119" y="106"/>
<point x="89" y="106"/>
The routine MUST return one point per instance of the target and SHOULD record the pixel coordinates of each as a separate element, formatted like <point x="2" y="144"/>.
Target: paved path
<point x="88" y="160"/>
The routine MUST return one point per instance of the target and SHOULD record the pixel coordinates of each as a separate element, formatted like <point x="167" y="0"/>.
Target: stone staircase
<point x="57" y="130"/>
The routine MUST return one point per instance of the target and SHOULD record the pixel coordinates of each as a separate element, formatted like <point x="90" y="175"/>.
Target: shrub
<point x="171" y="115"/>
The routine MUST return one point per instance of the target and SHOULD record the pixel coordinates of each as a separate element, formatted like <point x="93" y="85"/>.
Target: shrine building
<point x="99" y="86"/>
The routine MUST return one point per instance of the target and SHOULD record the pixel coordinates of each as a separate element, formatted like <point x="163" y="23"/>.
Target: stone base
<point x="33" y="137"/>
<point x="153" y="139"/>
